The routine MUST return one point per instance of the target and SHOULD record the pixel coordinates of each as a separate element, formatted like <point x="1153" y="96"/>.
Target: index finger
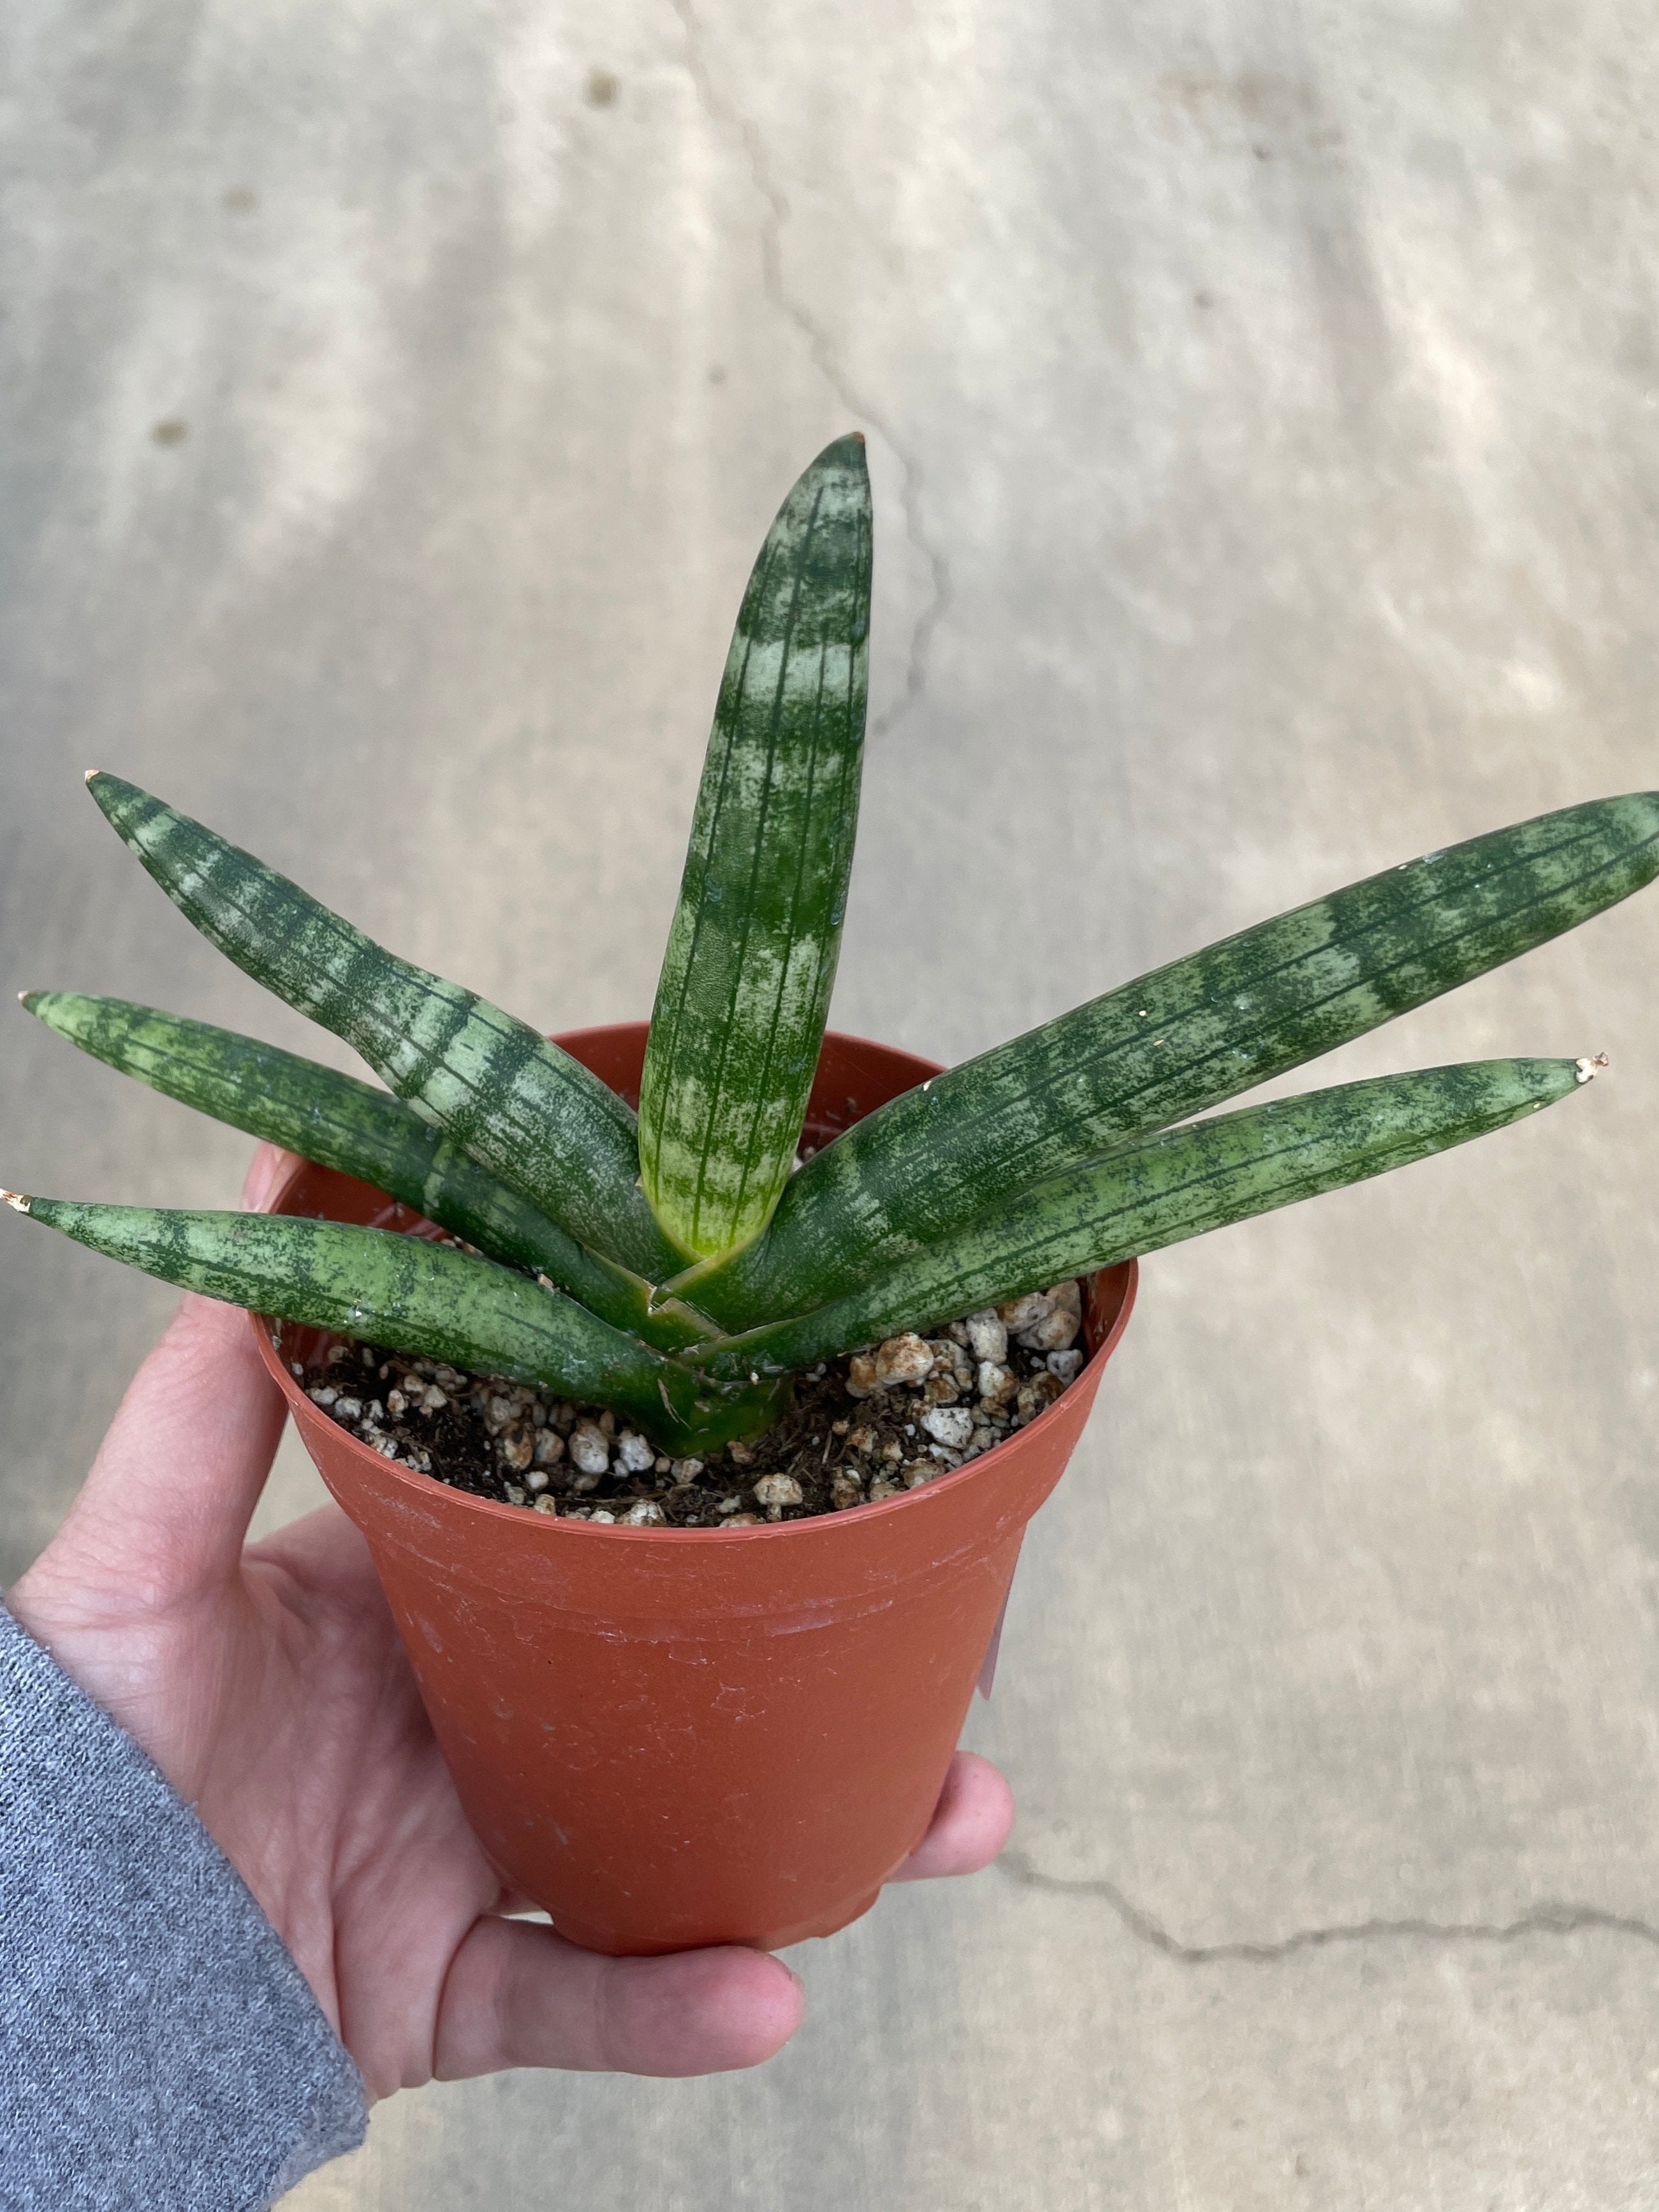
<point x="970" y="1824"/>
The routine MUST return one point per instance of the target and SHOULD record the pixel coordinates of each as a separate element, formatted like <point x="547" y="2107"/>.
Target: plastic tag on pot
<point x="987" y="1673"/>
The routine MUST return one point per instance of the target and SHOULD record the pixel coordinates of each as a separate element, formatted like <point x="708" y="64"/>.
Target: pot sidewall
<point x="675" y="1737"/>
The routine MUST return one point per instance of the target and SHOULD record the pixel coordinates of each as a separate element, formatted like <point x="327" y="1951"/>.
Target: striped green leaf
<point x="342" y="1123"/>
<point x="1161" y="1189"/>
<point x="752" y="955"/>
<point x="1183" y="1038"/>
<point x="414" y="1297"/>
<point x="517" y="1104"/>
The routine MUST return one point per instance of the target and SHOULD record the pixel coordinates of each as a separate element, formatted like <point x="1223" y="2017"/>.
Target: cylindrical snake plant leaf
<point x="517" y="1104"/>
<point x="405" y="1292"/>
<point x="1177" y="1040"/>
<point x="751" y="954"/>
<point x="1159" y="1190"/>
<point x="342" y="1123"/>
<point x="415" y="1296"/>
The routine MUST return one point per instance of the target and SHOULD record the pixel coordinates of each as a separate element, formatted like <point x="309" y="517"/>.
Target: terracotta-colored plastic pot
<point x="679" y="1736"/>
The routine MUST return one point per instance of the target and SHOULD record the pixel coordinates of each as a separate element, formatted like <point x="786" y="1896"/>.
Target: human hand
<point x="268" y="1684"/>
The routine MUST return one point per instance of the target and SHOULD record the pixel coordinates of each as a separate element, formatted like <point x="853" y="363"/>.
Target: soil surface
<point x="865" y="1426"/>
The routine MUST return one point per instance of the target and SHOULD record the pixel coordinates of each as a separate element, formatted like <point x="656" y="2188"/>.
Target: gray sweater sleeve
<point x="159" y="2048"/>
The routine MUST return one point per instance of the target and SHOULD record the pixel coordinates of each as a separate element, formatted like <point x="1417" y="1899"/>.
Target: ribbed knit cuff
<point x="158" y="2045"/>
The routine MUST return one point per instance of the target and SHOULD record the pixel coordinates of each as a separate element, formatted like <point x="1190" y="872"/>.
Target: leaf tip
<point x="1584" y="1070"/>
<point x="15" y="1200"/>
<point x="843" y="453"/>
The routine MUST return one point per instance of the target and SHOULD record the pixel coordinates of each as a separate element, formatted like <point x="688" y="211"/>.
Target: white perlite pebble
<point x="1053" y="1333"/>
<point x="953" y="1360"/>
<point x="1068" y="1365"/>
<point x="599" y="1514"/>
<point x="1057" y="1329"/>
<point x="550" y="1447"/>
<point x="347" y="1409"/>
<point x="590" y="1448"/>
<point x="647" y="1514"/>
<point x="862" y="1376"/>
<point x="903" y="1359"/>
<point x="997" y="1384"/>
<point x="987" y="1338"/>
<point x="685" y="1471"/>
<point x="1025" y="1312"/>
<point x="951" y="1426"/>
<point x="634" y="1455"/>
<point x="1036" y="1395"/>
<point x="778" y="1490"/>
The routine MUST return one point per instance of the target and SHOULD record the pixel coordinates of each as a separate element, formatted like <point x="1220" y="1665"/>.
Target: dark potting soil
<point x="865" y="1426"/>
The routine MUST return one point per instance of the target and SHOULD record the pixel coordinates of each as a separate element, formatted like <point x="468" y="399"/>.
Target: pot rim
<point x="940" y="1485"/>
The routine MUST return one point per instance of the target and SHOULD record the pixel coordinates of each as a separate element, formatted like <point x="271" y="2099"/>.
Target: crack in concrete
<point x="1546" y="1919"/>
<point x="822" y="352"/>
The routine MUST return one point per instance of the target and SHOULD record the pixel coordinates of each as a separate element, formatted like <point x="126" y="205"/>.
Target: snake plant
<point x="678" y="1265"/>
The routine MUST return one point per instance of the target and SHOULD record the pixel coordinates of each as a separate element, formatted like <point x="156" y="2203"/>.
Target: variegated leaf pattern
<point x="516" y="1103"/>
<point x="414" y="1297"/>
<point x="1162" y="1189"/>
<point x="1185" y="1037"/>
<point x="751" y="953"/>
<point x="343" y="1123"/>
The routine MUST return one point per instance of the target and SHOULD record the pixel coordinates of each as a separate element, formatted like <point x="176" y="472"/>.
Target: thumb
<point x="163" y="1514"/>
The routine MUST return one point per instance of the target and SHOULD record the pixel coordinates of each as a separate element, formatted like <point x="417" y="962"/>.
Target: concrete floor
<point x="1263" y="404"/>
